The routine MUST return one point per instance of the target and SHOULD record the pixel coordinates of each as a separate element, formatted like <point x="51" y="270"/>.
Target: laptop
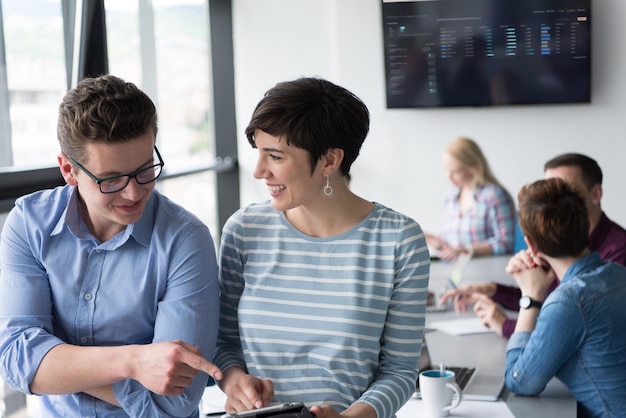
<point x="476" y="383"/>
<point x="456" y="274"/>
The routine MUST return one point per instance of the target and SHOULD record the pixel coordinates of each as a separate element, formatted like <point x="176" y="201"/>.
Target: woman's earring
<point x="328" y="190"/>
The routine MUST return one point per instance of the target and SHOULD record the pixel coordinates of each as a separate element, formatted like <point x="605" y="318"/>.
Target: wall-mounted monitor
<point x="486" y="52"/>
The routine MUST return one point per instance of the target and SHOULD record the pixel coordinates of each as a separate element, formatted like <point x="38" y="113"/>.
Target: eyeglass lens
<point x="145" y="176"/>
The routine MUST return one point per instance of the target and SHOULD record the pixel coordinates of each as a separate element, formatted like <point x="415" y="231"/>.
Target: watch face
<point x="524" y="302"/>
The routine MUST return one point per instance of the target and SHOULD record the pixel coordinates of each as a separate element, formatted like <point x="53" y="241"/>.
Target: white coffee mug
<point x="437" y="392"/>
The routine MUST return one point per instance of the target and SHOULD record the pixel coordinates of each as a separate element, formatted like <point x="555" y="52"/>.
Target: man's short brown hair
<point x="103" y="109"/>
<point x="553" y="214"/>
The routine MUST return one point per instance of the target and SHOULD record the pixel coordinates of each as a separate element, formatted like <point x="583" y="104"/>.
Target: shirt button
<point x="515" y="374"/>
<point x="87" y="296"/>
<point x="83" y="340"/>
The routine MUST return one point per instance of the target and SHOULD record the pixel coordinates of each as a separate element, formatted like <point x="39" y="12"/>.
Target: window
<point x="163" y="47"/>
<point x="36" y="80"/>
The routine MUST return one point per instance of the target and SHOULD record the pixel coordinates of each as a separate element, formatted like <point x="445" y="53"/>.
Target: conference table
<point x="484" y="350"/>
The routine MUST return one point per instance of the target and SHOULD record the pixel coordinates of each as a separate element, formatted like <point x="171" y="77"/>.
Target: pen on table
<point x="454" y="286"/>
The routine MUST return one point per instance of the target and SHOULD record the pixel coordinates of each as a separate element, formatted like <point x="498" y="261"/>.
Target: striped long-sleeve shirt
<point x="329" y="320"/>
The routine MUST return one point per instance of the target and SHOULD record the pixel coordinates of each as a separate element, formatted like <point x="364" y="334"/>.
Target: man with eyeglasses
<point x="109" y="299"/>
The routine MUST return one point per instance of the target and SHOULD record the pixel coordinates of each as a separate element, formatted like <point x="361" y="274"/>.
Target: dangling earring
<point x="328" y="190"/>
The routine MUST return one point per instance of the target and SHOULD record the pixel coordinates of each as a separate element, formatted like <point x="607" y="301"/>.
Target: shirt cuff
<point x="508" y="327"/>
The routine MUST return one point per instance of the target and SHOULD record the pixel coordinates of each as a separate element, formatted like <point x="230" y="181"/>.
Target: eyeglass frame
<point x="133" y="175"/>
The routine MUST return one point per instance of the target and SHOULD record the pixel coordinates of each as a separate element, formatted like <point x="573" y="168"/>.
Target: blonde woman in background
<point x="479" y="213"/>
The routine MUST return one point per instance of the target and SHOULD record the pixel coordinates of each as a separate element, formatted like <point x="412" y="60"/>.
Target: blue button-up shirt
<point x="154" y="281"/>
<point x="580" y="337"/>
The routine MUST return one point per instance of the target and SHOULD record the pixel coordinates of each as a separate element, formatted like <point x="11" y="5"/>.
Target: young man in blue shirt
<point x="577" y="332"/>
<point x="108" y="290"/>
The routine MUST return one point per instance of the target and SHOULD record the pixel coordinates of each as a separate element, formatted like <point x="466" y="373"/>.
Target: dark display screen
<point x="486" y="52"/>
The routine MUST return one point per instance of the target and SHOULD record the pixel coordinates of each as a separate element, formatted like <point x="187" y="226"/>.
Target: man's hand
<point x="489" y="313"/>
<point x="245" y="392"/>
<point x="467" y="294"/>
<point x="167" y="368"/>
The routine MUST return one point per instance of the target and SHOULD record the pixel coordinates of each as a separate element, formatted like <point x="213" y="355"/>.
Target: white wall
<point x="400" y="163"/>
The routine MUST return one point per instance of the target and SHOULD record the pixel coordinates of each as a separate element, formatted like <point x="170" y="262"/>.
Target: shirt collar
<point x="599" y="232"/>
<point x="70" y="216"/>
<point x="588" y="262"/>
<point x="141" y="231"/>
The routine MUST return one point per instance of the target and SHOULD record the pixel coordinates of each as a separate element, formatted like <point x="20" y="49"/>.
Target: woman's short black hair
<point x="313" y="114"/>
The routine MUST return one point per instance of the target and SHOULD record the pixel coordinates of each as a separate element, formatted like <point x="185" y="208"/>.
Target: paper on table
<point x="213" y="401"/>
<point x="470" y="409"/>
<point x="463" y="326"/>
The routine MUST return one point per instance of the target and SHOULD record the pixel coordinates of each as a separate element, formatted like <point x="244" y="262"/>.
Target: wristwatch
<point x="526" y="302"/>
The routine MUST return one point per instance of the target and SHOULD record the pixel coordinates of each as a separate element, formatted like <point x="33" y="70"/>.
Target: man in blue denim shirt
<point x="578" y="335"/>
<point x="109" y="296"/>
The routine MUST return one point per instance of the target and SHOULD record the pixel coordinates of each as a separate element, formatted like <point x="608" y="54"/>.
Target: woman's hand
<point x="324" y="411"/>
<point x="356" y="410"/>
<point x="448" y="252"/>
<point x="245" y="392"/>
<point x="433" y="241"/>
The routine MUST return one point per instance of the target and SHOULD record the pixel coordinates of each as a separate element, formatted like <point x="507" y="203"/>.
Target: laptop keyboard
<point x="462" y="375"/>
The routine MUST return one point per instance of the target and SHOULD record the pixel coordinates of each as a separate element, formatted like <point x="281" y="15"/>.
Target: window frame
<point x="91" y="60"/>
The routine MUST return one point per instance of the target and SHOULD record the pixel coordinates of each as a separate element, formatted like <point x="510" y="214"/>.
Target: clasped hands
<point x="532" y="274"/>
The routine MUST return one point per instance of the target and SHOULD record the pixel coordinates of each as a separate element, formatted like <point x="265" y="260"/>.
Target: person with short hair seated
<point x="577" y="332"/>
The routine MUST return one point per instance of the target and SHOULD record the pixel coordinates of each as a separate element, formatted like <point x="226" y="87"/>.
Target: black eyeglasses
<point x="114" y="184"/>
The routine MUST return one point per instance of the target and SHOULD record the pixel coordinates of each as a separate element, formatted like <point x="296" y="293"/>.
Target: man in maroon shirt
<point x="605" y="236"/>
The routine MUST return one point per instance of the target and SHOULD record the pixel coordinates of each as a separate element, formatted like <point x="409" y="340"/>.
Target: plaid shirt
<point x="491" y="220"/>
